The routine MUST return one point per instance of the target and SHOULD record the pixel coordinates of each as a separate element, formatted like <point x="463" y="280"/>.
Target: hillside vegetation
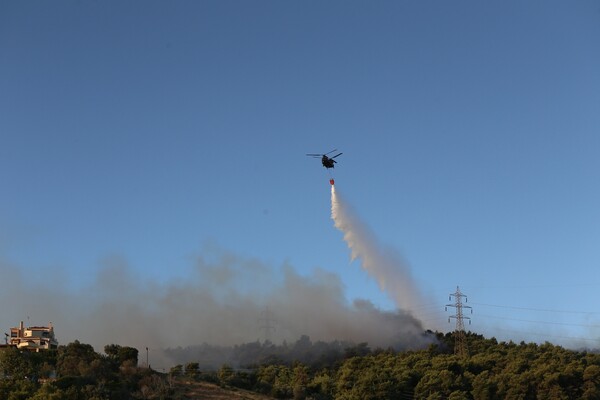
<point x="492" y="371"/>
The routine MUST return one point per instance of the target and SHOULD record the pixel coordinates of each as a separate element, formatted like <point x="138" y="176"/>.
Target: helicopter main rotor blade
<point x="330" y="152"/>
<point x="337" y="155"/>
<point x="314" y="155"/>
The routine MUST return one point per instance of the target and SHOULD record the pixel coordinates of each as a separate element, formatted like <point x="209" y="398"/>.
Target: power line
<point x="426" y="305"/>
<point x="429" y="314"/>
<point x="554" y="285"/>
<point x="538" y="309"/>
<point x="540" y="322"/>
<point x="547" y="335"/>
<point x="429" y="317"/>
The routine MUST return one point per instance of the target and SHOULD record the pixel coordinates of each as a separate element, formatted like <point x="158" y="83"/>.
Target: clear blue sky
<point x="154" y="131"/>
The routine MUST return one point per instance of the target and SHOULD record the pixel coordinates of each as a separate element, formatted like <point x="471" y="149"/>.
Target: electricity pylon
<point x="460" y="341"/>
<point x="266" y="319"/>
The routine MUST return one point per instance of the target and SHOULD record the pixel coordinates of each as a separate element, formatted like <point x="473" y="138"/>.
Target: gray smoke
<point x="220" y="302"/>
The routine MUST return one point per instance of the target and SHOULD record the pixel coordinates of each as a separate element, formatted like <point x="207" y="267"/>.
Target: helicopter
<point x="328" y="162"/>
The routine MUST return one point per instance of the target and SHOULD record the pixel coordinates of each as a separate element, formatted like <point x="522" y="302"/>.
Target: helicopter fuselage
<point x="328" y="162"/>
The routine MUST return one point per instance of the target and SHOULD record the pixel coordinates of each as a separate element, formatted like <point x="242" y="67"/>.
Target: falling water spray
<point x="384" y="265"/>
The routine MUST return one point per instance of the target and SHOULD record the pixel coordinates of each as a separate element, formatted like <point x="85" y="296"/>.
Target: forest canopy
<point x="307" y="370"/>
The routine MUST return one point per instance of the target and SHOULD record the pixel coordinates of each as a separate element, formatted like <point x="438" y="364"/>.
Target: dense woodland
<point x="314" y="354"/>
<point x="491" y="371"/>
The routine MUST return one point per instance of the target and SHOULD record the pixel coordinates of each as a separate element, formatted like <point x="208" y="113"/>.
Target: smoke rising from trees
<point x="220" y="302"/>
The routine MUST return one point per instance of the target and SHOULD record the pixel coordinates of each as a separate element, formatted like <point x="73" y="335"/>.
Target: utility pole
<point x="266" y="319"/>
<point x="460" y="341"/>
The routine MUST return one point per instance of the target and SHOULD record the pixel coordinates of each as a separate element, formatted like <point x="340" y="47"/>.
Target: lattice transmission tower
<point x="266" y="321"/>
<point x="460" y="341"/>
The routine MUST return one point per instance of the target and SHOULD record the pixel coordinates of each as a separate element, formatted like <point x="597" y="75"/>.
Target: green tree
<point x="177" y="370"/>
<point x="122" y="354"/>
<point x="16" y="364"/>
<point x="321" y="386"/>
<point x="435" y="382"/>
<point x="225" y="375"/>
<point x="484" y="387"/>
<point x="283" y="385"/>
<point x="75" y="359"/>
<point x="49" y="392"/>
<point x="17" y="389"/>
<point x="591" y="383"/>
<point x="299" y="381"/>
<point x="265" y="378"/>
<point x="192" y="370"/>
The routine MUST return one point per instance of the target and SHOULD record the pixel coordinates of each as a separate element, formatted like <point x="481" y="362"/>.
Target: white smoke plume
<point x="384" y="265"/>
